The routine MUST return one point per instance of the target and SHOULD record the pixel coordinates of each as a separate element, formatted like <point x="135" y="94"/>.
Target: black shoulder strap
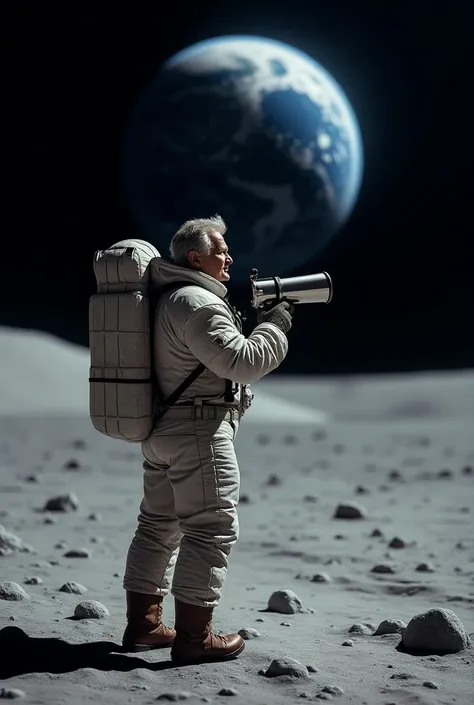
<point x="184" y="385"/>
<point x="163" y="407"/>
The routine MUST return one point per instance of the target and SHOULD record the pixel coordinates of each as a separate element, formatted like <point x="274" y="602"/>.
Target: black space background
<point x="402" y="268"/>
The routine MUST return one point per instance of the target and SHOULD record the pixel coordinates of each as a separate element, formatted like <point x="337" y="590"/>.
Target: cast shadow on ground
<point x="20" y="654"/>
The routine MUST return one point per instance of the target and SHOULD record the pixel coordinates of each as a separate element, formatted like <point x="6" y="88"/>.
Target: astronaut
<point x="188" y="516"/>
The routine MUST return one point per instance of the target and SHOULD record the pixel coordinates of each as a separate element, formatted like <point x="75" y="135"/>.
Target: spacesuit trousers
<point x="188" y="516"/>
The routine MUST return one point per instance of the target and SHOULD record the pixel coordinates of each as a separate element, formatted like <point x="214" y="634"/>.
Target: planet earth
<point x="252" y="129"/>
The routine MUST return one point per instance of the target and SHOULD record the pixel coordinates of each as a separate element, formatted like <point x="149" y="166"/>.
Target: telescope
<point x="308" y="289"/>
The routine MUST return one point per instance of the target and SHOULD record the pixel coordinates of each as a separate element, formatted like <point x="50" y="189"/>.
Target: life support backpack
<point x="124" y="397"/>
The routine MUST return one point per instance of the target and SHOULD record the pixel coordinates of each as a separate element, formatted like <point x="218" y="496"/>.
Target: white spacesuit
<point x="188" y="517"/>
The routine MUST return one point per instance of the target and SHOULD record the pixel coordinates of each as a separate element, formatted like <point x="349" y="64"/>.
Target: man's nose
<point x="229" y="259"/>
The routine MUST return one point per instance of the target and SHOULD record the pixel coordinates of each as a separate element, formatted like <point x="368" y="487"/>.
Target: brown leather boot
<point x="145" y="630"/>
<point x="195" y="642"/>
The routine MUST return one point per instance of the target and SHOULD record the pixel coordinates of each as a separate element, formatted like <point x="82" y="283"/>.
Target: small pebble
<point x="333" y="690"/>
<point x="91" y="609"/>
<point x="348" y="642"/>
<point x="395" y="475"/>
<point x="78" y="553"/>
<point x="376" y="533"/>
<point x="402" y="676"/>
<point x="228" y="691"/>
<point x="360" y="489"/>
<point x="397" y="542"/>
<point x="286" y="667"/>
<point x="285" y="602"/>
<point x="72" y="464"/>
<point x="321" y="578"/>
<point x="349" y="510"/>
<point x="12" y="591"/>
<point x="50" y="520"/>
<point x="384" y="568"/>
<point x="425" y="568"/>
<point x="249" y="633"/>
<point x="62" y="503"/>
<point x="359" y="628"/>
<point x="273" y="481"/>
<point x="73" y="587"/>
<point x="390" y="626"/>
<point x="430" y="684"/>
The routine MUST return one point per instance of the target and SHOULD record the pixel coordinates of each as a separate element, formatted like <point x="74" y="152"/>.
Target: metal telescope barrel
<point x="308" y="289"/>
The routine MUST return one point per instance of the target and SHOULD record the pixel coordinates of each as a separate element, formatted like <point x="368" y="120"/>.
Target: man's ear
<point x="193" y="258"/>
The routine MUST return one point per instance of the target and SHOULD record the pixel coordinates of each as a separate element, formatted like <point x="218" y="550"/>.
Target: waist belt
<point x="209" y="411"/>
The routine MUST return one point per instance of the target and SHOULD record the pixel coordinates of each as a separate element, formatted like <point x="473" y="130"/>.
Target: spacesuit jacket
<point x="193" y="323"/>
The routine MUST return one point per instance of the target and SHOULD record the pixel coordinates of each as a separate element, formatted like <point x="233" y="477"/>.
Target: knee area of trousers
<point x="221" y="534"/>
<point x="153" y="525"/>
<point x="228" y="530"/>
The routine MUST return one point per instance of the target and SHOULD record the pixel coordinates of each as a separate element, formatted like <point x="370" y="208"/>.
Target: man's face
<point x="217" y="263"/>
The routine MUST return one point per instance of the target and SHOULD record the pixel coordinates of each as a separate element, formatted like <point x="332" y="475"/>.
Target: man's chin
<point x="225" y="276"/>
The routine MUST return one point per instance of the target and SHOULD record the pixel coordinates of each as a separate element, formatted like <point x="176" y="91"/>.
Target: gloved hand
<point x="280" y="315"/>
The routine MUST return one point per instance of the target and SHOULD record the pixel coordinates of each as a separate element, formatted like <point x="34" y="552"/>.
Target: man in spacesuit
<point x="188" y="517"/>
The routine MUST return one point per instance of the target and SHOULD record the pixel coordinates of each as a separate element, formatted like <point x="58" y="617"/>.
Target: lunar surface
<point x="353" y="578"/>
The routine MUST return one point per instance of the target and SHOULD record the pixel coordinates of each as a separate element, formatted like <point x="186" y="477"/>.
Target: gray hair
<point x="195" y="235"/>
